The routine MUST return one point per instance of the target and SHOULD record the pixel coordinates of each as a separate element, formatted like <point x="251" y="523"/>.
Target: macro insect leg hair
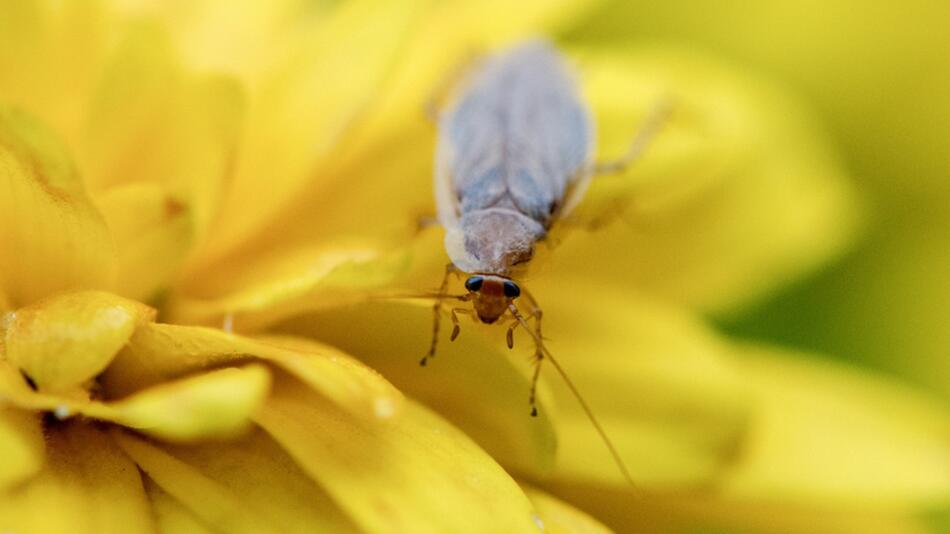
<point x="437" y="316"/>
<point x="651" y="126"/>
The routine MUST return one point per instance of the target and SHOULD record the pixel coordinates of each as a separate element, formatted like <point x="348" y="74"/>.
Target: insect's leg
<point x="537" y="313"/>
<point x="436" y="315"/>
<point x="455" y="321"/>
<point x="657" y="115"/>
<point x="510" y="337"/>
<point x="538" y="358"/>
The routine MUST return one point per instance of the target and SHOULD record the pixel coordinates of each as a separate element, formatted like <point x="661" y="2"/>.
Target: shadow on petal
<point x="87" y="485"/>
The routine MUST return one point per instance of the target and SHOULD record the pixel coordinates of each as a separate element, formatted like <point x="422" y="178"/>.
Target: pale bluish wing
<point x="549" y="137"/>
<point x="519" y="133"/>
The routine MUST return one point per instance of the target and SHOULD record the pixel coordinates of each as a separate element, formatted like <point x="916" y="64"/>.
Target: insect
<point x="514" y="156"/>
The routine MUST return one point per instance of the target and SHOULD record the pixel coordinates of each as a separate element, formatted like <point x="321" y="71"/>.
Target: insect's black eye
<point x="511" y="289"/>
<point x="474" y="283"/>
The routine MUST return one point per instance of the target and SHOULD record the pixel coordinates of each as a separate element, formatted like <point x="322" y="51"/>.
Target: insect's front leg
<point x="436" y="315"/>
<point x="455" y="321"/>
<point x="536" y="313"/>
<point x="538" y="358"/>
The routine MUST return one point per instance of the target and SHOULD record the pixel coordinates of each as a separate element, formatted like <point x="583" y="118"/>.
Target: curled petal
<point x="158" y="352"/>
<point x="67" y="339"/>
<point x="211" y="405"/>
<point x="214" y="404"/>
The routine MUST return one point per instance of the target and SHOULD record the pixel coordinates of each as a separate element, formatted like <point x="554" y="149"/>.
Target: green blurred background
<point x="878" y="73"/>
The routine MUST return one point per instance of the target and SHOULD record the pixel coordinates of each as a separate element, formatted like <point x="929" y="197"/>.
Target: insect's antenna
<point x="577" y="395"/>
<point x="417" y="295"/>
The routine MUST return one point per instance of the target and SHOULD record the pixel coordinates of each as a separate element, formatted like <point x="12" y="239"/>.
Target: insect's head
<point x="491" y="294"/>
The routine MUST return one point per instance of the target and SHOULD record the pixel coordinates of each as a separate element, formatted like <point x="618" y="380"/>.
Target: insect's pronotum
<point x="514" y="156"/>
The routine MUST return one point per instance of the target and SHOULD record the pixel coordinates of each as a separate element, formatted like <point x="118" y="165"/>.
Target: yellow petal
<point x="159" y="352"/>
<point x="153" y="121"/>
<point x="824" y="432"/>
<point x="87" y="485"/>
<point x="51" y="54"/>
<point x="252" y="295"/>
<point x="660" y="381"/>
<point x="226" y="35"/>
<point x="51" y="236"/>
<point x="170" y="515"/>
<point x="410" y="473"/>
<point x="21" y="445"/>
<point x="153" y="232"/>
<point x="473" y="382"/>
<point x="213" y="404"/>
<point x="268" y="493"/>
<point x="738" y="194"/>
<point x="559" y="517"/>
<point x="657" y="377"/>
<point x="67" y="339"/>
<point x="628" y="511"/>
<point x="299" y="111"/>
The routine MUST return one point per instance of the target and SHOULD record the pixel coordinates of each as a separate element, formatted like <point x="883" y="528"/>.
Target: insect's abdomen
<point x="518" y="134"/>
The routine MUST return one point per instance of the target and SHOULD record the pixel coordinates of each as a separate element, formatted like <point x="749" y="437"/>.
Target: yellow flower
<point x="112" y="422"/>
<point x="260" y="167"/>
<point x="314" y="439"/>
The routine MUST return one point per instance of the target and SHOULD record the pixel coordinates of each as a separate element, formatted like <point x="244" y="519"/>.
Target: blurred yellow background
<point x="879" y="75"/>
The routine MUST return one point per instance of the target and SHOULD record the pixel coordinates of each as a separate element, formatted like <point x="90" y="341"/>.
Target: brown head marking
<point x="491" y="295"/>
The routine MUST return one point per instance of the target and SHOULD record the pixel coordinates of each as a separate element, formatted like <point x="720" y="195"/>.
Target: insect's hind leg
<point x="437" y="316"/>
<point x="656" y="118"/>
